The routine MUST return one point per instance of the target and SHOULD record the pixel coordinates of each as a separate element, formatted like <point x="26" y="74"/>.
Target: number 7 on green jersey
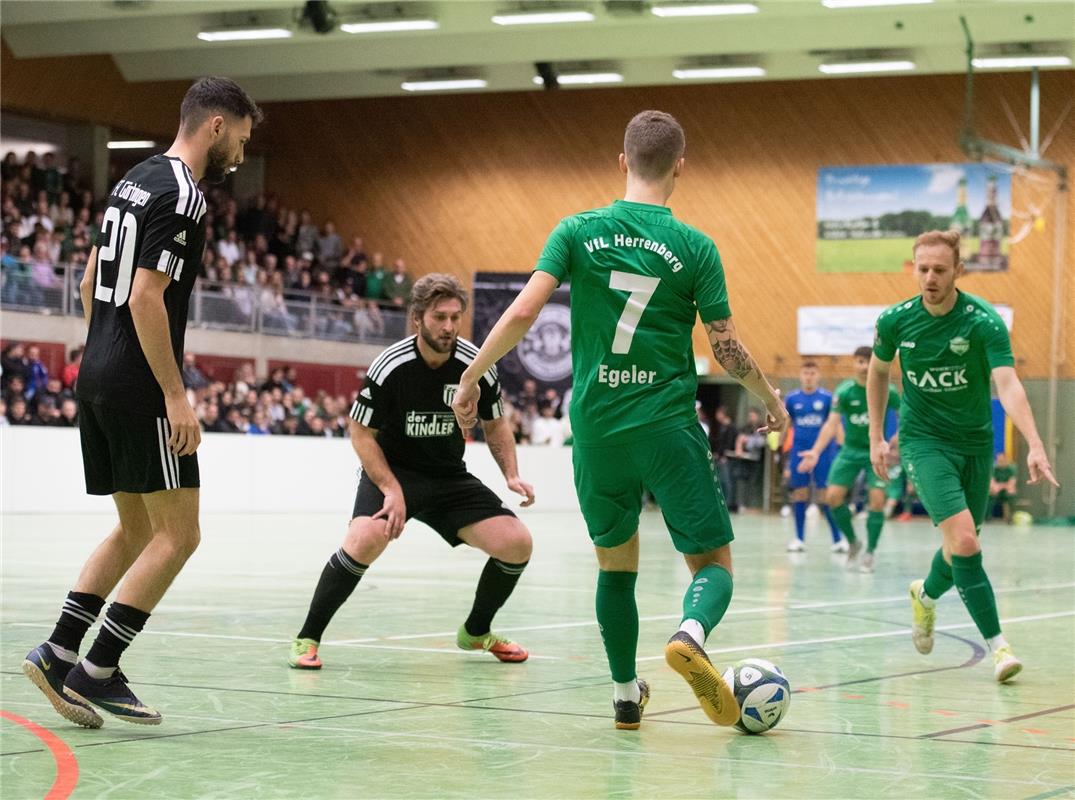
<point x="641" y="288"/>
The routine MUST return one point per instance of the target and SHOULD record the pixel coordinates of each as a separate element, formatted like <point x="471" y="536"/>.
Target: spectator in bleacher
<point x="16" y="273"/>
<point x="274" y="381"/>
<point x="9" y="168"/>
<point x="18" y="411"/>
<point x="249" y="268"/>
<point x="234" y="422"/>
<point x="376" y="276"/>
<point x="259" y="424"/>
<point x="355" y="253"/>
<point x="53" y="180"/>
<point x="193" y="377"/>
<point x="70" y="370"/>
<point x="46" y="413"/>
<point x="356" y="278"/>
<point x="45" y="283"/>
<point x="39" y="217"/>
<point x="306" y="237"/>
<point x="289" y="426"/>
<point x="74" y="182"/>
<point x="330" y="247"/>
<point x="61" y="213"/>
<point x="52" y="392"/>
<point x="245" y="378"/>
<point x="230" y="248"/>
<point x="16" y="366"/>
<point x="39" y="374"/>
<point x="291" y="379"/>
<point x="397" y="286"/>
<point x="282" y="242"/>
<point x="68" y="413"/>
<point x="545" y="427"/>
<point x="210" y="418"/>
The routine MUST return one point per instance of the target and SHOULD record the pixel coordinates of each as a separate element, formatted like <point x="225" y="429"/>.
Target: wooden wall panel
<point x="467" y="183"/>
<point x="88" y="89"/>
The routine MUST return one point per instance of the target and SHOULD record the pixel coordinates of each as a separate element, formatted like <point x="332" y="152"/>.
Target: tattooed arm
<point x="732" y="354"/>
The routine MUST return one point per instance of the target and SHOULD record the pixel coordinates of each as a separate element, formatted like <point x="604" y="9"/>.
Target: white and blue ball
<point x="762" y="691"/>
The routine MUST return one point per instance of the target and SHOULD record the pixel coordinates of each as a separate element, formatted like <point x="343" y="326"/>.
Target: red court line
<point x="66" y="763"/>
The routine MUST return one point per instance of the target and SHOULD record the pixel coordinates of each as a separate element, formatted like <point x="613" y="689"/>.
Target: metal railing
<point x="216" y="305"/>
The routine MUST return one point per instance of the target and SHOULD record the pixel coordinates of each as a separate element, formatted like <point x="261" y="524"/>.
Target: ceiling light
<point x="132" y="144"/>
<point x="387" y="26"/>
<point x="864" y="67"/>
<point x="443" y="85"/>
<point x="1016" y="62"/>
<point x="697" y="73"/>
<point x="583" y="78"/>
<point x="543" y="18"/>
<point x="711" y="10"/>
<point x="244" y="35"/>
<point x="869" y="3"/>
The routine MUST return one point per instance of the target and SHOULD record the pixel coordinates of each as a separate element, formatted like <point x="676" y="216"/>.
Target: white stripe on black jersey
<point x="408" y="403"/>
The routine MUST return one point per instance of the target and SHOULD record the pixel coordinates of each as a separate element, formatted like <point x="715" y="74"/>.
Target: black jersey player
<point x="411" y="449"/>
<point x="139" y="433"/>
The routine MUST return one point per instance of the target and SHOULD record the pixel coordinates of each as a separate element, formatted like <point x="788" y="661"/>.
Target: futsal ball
<point x="1022" y="519"/>
<point x="762" y="691"/>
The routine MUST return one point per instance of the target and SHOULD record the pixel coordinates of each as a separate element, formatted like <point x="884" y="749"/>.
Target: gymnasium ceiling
<point x="154" y="41"/>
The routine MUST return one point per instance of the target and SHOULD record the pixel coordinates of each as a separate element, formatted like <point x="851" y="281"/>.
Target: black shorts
<point x="127" y="452"/>
<point x="444" y="503"/>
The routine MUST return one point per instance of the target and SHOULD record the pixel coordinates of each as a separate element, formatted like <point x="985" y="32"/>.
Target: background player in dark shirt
<point x="139" y="433"/>
<point x="411" y="450"/>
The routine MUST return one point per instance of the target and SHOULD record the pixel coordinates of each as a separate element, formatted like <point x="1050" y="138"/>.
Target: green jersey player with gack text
<point x="639" y="279"/>
<point x="950" y="344"/>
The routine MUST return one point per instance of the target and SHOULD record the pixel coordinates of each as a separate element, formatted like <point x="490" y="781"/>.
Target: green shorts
<point x="948" y="482"/>
<point x="897" y="483"/>
<point x="676" y="467"/>
<point x="847" y="466"/>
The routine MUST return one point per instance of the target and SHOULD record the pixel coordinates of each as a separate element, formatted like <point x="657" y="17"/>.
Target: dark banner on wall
<point x="545" y="353"/>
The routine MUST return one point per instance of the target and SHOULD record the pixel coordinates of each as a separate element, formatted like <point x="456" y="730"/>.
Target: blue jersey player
<point x="809" y="407"/>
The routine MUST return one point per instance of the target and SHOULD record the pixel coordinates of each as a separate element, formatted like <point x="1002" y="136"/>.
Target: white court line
<point x="827" y="767"/>
<point x="734" y="612"/>
<point x="583" y="624"/>
<point x="351" y="643"/>
<point x="875" y="635"/>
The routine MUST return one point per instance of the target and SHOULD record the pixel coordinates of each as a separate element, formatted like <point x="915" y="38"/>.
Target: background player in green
<point x="849" y="409"/>
<point x="639" y="280"/>
<point x="1002" y="487"/>
<point x="950" y="343"/>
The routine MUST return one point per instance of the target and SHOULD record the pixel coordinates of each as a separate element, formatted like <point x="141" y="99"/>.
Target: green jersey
<point x="849" y="399"/>
<point x="946" y="363"/>
<point x="639" y="278"/>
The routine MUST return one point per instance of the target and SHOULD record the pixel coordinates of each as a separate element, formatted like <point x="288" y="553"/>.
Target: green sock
<point x="976" y="593"/>
<point x="842" y="515"/>
<point x="939" y="579"/>
<point x="617" y="617"/>
<point x="708" y="596"/>
<point x="875" y="521"/>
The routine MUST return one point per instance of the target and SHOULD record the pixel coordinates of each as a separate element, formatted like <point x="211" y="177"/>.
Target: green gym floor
<point x="398" y="712"/>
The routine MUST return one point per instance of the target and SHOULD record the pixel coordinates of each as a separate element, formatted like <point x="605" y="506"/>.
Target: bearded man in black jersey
<point x="411" y="450"/>
<point x="139" y="433"/>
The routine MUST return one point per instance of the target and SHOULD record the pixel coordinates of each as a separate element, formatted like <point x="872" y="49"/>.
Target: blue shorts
<point x="819" y="475"/>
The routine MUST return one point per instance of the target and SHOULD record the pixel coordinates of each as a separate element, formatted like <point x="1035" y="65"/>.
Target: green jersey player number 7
<point x="639" y="280"/>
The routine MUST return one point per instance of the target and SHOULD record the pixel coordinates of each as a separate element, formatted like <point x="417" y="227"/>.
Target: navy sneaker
<point x="47" y="672"/>
<point x="628" y="714"/>
<point x="112" y="694"/>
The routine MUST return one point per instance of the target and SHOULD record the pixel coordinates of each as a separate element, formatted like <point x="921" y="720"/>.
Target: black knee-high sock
<point x="121" y="624"/>
<point x="80" y="610"/>
<point x="494" y="588"/>
<point x="338" y="579"/>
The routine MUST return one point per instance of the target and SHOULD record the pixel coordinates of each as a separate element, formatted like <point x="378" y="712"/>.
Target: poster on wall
<point x="544" y="354"/>
<point x="868" y="217"/>
<point x="839" y="330"/>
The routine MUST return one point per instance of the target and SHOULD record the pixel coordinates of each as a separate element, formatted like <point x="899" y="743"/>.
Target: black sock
<point x="338" y="579"/>
<point x="121" y="624"/>
<point x="80" y="610"/>
<point x="494" y="588"/>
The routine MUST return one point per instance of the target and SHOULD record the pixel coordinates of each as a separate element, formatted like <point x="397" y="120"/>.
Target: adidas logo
<point x="181" y="238"/>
